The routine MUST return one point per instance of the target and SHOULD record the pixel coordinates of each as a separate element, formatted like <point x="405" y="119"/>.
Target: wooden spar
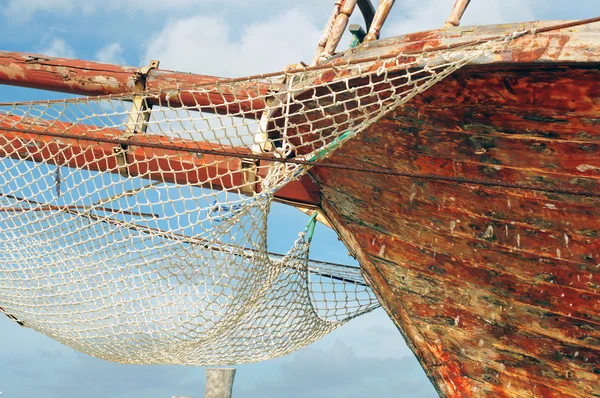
<point x="339" y="26"/>
<point x="325" y="35"/>
<point x="383" y="10"/>
<point x="457" y="12"/>
<point x="154" y="157"/>
<point x="368" y="12"/>
<point x="93" y="78"/>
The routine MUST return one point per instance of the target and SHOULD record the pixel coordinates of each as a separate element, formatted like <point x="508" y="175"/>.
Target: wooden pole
<point x="338" y="28"/>
<point x="152" y="156"/>
<point x="219" y="382"/>
<point x="80" y="77"/>
<point x="457" y="12"/>
<point x="383" y="10"/>
<point x="325" y="36"/>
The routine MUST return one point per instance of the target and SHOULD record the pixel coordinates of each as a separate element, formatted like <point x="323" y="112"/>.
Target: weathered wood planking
<point x="496" y="289"/>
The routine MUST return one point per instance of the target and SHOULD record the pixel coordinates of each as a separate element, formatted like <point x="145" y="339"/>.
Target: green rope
<point x="330" y="147"/>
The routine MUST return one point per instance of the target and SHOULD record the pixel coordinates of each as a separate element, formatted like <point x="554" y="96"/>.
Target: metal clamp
<point x="138" y="116"/>
<point x="249" y="168"/>
<point x="358" y="35"/>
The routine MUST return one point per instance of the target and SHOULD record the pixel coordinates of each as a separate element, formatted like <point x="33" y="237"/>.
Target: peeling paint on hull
<point x="496" y="289"/>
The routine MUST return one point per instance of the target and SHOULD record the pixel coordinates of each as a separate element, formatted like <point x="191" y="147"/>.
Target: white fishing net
<point x="138" y="234"/>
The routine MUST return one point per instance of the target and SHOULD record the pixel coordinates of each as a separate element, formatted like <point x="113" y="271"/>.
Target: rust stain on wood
<point x="92" y="78"/>
<point x="495" y="289"/>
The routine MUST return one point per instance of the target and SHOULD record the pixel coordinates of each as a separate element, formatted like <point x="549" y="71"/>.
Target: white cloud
<point x="160" y="5"/>
<point x="111" y="54"/>
<point x="431" y="13"/>
<point x="58" y="48"/>
<point x="204" y="45"/>
<point x="419" y="15"/>
<point x="19" y="10"/>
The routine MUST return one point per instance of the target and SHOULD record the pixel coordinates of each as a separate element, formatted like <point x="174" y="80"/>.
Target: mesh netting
<point x="134" y="228"/>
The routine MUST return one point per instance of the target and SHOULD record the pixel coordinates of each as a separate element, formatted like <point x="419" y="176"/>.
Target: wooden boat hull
<point x="484" y="248"/>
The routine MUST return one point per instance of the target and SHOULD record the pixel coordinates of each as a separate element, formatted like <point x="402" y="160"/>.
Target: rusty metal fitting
<point x="138" y="116"/>
<point x="141" y="74"/>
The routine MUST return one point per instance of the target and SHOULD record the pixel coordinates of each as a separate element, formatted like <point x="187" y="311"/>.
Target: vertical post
<point x="383" y="10"/>
<point x="219" y="382"/>
<point x="139" y="116"/>
<point x="457" y="12"/>
<point x="140" y="111"/>
<point x="338" y="28"/>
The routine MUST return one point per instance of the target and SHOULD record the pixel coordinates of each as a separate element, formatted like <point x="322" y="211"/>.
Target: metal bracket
<point x="358" y="35"/>
<point x="138" y="117"/>
<point x="249" y="169"/>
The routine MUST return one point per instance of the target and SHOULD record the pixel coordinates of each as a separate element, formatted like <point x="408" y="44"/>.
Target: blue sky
<point x="366" y="357"/>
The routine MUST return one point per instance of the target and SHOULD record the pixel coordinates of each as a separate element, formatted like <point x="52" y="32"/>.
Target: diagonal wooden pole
<point x="457" y="12"/>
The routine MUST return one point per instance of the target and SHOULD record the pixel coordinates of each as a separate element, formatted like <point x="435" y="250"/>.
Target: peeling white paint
<point x="550" y="206"/>
<point x="12" y="72"/>
<point x="171" y="94"/>
<point x="587" y="167"/>
<point x="452" y="226"/>
<point x="109" y="81"/>
<point x="413" y="192"/>
<point x="489" y="232"/>
<point x="382" y="251"/>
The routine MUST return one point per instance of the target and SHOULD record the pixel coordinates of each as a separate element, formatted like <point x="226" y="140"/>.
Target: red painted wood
<point x="93" y="78"/>
<point x="169" y="165"/>
<point x="497" y="289"/>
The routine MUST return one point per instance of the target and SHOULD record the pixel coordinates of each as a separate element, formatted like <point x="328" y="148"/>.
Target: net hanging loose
<point x="151" y="247"/>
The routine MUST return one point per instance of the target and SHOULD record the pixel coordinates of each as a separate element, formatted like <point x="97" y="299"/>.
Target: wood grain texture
<point x="495" y="289"/>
